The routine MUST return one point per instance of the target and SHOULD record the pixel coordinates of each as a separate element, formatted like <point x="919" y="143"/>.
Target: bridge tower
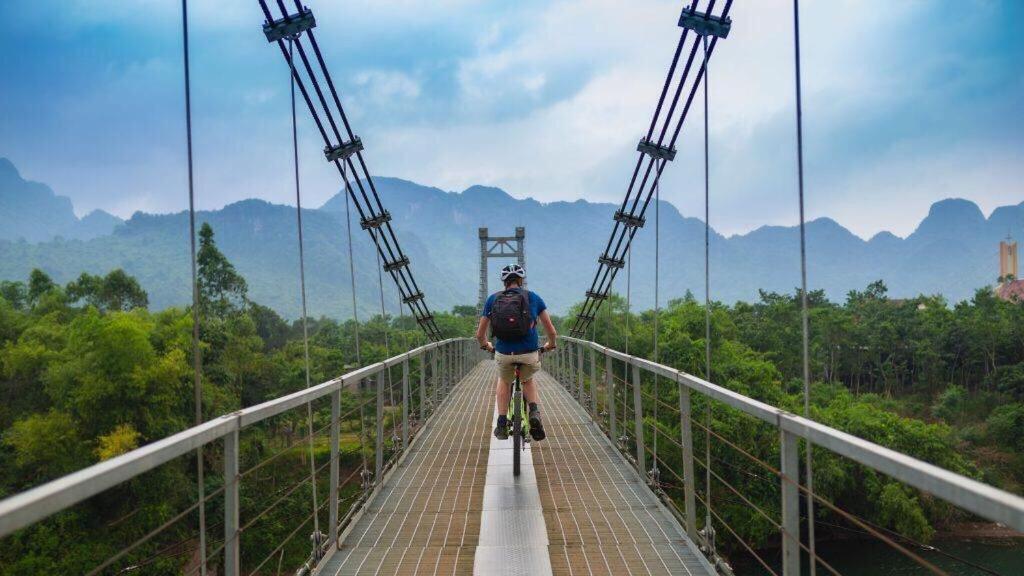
<point x="1008" y="260"/>
<point x="499" y="247"/>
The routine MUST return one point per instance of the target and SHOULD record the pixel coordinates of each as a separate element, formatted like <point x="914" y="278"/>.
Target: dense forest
<point x="942" y="383"/>
<point x="88" y="372"/>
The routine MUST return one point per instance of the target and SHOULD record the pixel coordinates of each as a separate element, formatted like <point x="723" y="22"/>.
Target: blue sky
<point x="906" y="103"/>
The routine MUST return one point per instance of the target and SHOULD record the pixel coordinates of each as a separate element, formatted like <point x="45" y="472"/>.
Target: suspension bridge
<point x="428" y="490"/>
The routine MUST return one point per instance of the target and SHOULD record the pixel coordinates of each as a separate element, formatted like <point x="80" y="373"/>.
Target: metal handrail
<point x="38" y="503"/>
<point x="975" y="497"/>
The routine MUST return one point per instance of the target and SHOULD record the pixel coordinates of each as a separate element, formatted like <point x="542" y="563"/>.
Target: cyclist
<point x="512" y="316"/>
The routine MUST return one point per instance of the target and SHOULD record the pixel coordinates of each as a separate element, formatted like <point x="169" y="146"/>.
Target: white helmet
<point x="512" y="271"/>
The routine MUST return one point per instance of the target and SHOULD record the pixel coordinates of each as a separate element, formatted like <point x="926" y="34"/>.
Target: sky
<point x="905" y="103"/>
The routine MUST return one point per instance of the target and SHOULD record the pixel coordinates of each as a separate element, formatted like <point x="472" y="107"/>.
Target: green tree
<point x="15" y="293"/>
<point x="117" y="291"/>
<point x="222" y="290"/>
<point x="39" y="283"/>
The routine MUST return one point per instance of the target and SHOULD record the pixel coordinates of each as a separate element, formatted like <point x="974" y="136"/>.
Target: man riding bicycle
<point x="512" y="315"/>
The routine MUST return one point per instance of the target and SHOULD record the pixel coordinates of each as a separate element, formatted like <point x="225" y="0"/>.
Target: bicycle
<point x="520" y="426"/>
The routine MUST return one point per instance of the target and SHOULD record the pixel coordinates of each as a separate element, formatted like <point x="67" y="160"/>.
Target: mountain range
<point x="953" y="251"/>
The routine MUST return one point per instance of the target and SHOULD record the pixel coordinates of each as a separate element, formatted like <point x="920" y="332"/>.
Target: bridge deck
<point x="452" y="505"/>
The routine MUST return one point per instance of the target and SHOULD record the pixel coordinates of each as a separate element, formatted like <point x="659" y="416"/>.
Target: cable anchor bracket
<point x="413" y="298"/>
<point x="655" y="150"/>
<point x="629" y="220"/>
<point x="290" y="26"/>
<point x="376" y="221"/>
<point x="705" y="24"/>
<point x="344" y="150"/>
<point x="611" y="262"/>
<point x="397" y="264"/>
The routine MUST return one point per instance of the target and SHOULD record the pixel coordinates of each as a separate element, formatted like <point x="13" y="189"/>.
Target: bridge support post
<point x="686" y="438"/>
<point x="405" y="403"/>
<point x="445" y="384"/>
<point x="580" y="372"/>
<point x="609" y="382"/>
<point x="789" y="447"/>
<point x="638" y="423"/>
<point x="332" y="507"/>
<point x="423" y="388"/>
<point x="379" y="443"/>
<point x="232" y="556"/>
<point x="593" y="384"/>
<point x="435" y="376"/>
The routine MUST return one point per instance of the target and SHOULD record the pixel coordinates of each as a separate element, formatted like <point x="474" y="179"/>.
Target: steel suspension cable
<point x="302" y="286"/>
<point x="355" y="322"/>
<point x="372" y="215"/>
<point x="707" y="308"/>
<point x="804" y="316"/>
<point x="197" y="361"/>
<point x="655" y="473"/>
<point x="384" y="319"/>
<point x="629" y="290"/>
<point x="611" y="260"/>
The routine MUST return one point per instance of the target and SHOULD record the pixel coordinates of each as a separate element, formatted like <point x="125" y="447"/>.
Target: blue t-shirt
<point x="527" y="343"/>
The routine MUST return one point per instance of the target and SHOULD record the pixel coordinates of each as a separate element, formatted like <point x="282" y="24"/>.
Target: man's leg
<point x="533" y="401"/>
<point x="502" y="395"/>
<point x="530" y="392"/>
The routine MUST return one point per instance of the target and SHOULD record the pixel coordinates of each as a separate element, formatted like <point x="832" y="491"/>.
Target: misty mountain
<point x="32" y="212"/>
<point x="953" y="251"/>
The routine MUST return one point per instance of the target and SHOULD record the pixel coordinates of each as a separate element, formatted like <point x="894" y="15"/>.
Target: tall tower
<point x="1008" y="259"/>
<point x="499" y="247"/>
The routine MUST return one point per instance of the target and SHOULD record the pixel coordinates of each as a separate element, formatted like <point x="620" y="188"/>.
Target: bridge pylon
<point x="499" y="247"/>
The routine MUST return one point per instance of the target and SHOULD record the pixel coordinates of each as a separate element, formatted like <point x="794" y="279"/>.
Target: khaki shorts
<point x="530" y="363"/>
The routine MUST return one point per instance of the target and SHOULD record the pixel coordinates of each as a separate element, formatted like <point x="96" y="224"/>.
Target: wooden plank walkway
<point x="579" y="508"/>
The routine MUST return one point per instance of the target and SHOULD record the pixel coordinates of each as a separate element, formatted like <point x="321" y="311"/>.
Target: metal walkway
<point x="452" y="506"/>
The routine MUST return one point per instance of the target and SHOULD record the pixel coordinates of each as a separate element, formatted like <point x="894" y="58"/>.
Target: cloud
<point x="903" y="105"/>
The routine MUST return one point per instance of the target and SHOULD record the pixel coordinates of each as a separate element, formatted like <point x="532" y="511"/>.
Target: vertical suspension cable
<point x="384" y="319"/>
<point x="302" y="286"/>
<point x="709" y="529"/>
<point x="625" y="368"/>
<point x="355" y="322"/>
<point x="197" y="361"/>
<point x="655" y="473"/>
<point x="804" y="316"/>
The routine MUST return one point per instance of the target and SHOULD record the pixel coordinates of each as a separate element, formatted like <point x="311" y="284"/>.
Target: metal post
<point x="423" y="388"/>
<point x="380" y="428"/>
<point x="686" y="437"/>
<point x="790" y="503"/>
<point x="482" y="233"/>
<point x="332" y="513"/>
<point x="638" y="422"/>
<point x="593" y="384"/>
<point x="405" y="403"/>
<point x="437" y="380"/>
<point x="443" y="373"/>
<point x="232" y="555"/>
<point x="581" y="372"/>
<point x="609" y="381"/>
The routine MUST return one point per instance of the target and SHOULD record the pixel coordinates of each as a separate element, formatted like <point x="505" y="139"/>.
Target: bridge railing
<point x="427" y="374"/>
<point x="610" y="385"/>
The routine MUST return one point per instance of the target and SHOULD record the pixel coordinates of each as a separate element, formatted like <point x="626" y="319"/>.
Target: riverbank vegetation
<point x="941" y="382"/>
<point x="87" y="372"/>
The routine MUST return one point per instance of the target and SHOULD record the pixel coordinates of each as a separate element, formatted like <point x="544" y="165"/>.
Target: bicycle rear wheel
<point x="517" y="431"/>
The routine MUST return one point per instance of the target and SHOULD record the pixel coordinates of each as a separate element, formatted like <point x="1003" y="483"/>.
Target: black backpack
<point x="510" y="315"/>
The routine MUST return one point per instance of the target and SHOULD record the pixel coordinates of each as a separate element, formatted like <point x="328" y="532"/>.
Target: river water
<point x="873" y="558"/>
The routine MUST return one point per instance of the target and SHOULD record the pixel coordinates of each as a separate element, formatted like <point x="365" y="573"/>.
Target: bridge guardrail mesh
<point x="259" y="495"/>
<point x="656" y="417"/>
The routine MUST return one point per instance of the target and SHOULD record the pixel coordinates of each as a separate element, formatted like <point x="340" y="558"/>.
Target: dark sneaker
<point x="501" y="431"/>
<point x="536" y="427"/>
